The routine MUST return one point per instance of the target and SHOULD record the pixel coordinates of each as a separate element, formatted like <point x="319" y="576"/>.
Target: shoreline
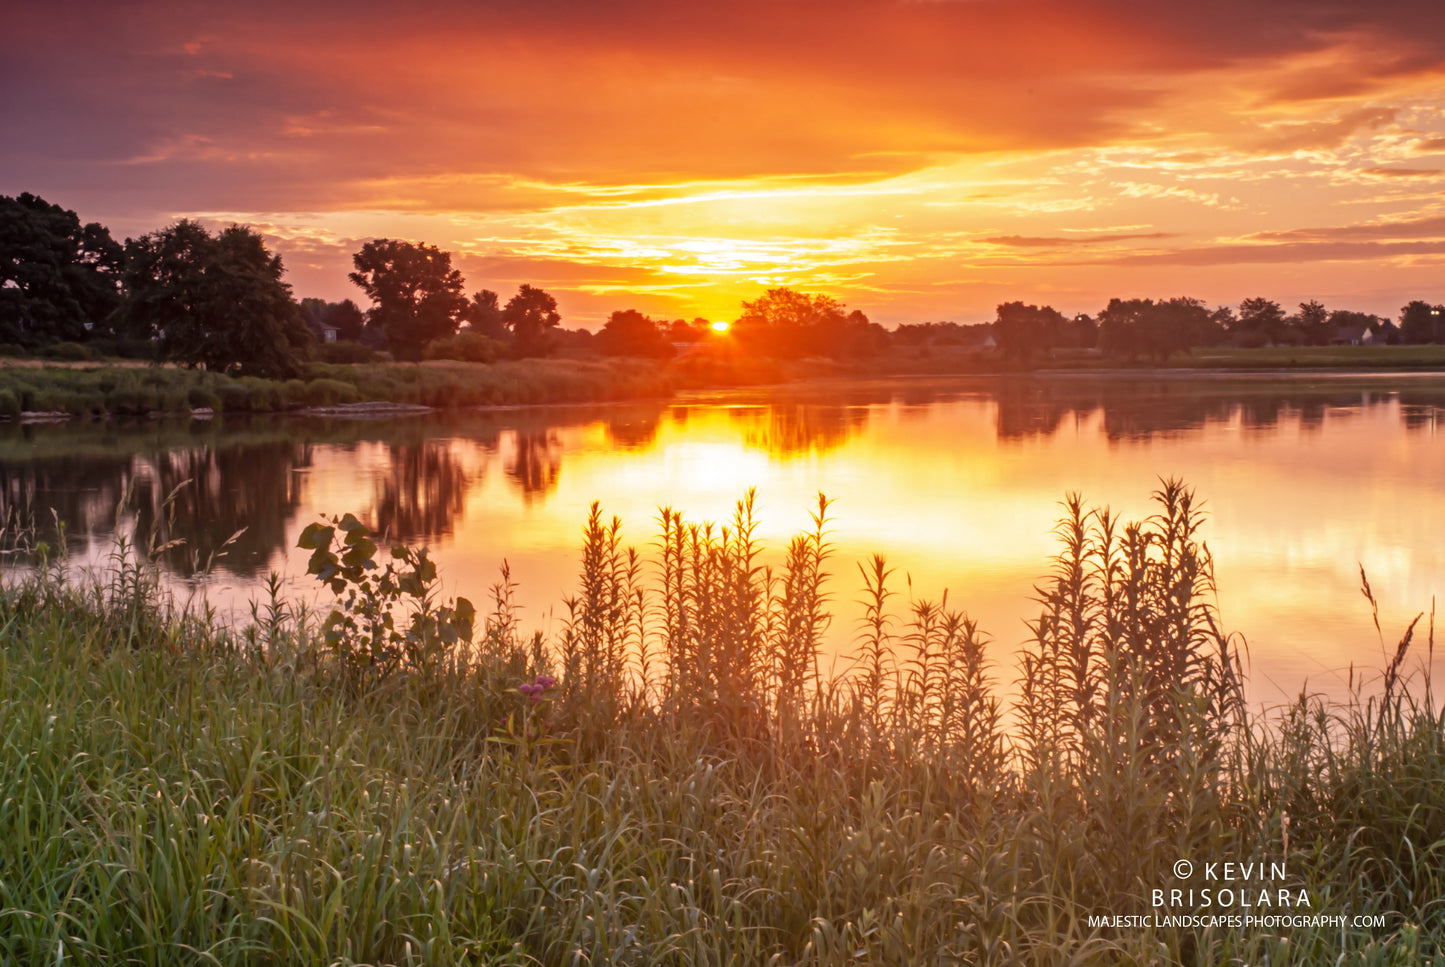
<point x="106" y="392"/>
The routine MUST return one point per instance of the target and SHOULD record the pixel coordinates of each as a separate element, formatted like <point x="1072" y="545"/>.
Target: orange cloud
<point x="920" y="160"/>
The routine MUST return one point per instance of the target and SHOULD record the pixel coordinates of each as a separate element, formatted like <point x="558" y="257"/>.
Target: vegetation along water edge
<point x="405" y="779"/>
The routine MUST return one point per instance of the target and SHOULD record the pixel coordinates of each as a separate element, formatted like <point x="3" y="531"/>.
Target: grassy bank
<point x="1316" y="357"/>
<point x="672" y="780"/>
<point x="80" y="390"/>
<point x="1342" y="358"/>
<point x="101" y="390"/>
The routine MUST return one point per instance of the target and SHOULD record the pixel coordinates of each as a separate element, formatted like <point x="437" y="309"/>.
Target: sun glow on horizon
<point x="721" y="325"/>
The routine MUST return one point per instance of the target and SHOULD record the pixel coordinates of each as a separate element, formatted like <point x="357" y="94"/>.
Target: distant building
<point x="1387" y="335"/>
<point x="328" y="333"/>
<point x="1350" y="336"/>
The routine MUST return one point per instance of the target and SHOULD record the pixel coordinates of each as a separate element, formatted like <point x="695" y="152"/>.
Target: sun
<point x="720" y="326"/>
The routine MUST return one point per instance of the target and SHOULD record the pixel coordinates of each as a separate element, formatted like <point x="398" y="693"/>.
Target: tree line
<point x="1144" y="328"/>
<point x="219" y="301"/>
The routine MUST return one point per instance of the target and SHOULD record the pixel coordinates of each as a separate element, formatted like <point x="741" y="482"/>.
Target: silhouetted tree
<point x="786" y="323"/>
<point x="1421" y="322"/>
<point x="345" y="317"/>
<point x="312" y="309"/>
<point x="59" y="280"/>
<point x="1225" y="321"/>
<point x="484" y="314"/>
<point x="1260" y="321"/>
<point x="783" y="322"/>
<point x="680" y="330"/>
<point x="630" y="333"/>
<point x="416" y="294"/>
<point x="531" y="314"/>
<point x="1024" y="332"/>
<point x="1081" y="332"/>
<point x="859" y="337"/>
<point x="214" y="301"/>
<point x="1313" y="323"/>
<point x="931" y="334"/>
<point x="1143" y="327"/>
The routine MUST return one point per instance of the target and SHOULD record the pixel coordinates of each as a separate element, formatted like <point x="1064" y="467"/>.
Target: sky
<point x="921" y="160"/>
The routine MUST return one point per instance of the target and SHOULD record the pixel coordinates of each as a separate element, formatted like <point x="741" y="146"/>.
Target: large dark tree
<point x="1260" y="321"/>
<point x="531" y="314"/>
<point x="213" y="300"/>
<point x="416" y="295"/>
<point x="484" y="314"/>
<point x="1023" y="332"/>
<point x="1313" y="323"/>
<point x="630" y="333"/>
<point x="786" y="323"/>
<point x="1143" y="327"/>
<point x="59" y="280"/>
<point x="345" y="317"/>
<point x="1421" y="322"/>
<point x="783" y="322"/>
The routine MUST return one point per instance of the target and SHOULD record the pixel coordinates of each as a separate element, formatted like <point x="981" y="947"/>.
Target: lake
<point x="1306" y="478"/>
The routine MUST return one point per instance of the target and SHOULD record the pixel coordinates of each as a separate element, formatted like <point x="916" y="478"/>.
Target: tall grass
<point x="142" y="390"/>
<point x="676" y="780"/>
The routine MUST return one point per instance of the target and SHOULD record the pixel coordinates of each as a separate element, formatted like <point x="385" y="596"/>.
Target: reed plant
<point x="675" y="780"/>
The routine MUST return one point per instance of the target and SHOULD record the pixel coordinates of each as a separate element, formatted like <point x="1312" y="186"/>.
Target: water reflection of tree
<point x="632" y="430"/>
<point x="792" y="429"/>
<point x="1148" y="415"/>
<point x="1421" y="409"/>
<point x="1030" y="408"/>
<point x="80" y="492"/>
<point x="536" y="462"/>
<point x="422" y="496"/>
<point x="191" y="498"/>
<point x="201" y="496"/>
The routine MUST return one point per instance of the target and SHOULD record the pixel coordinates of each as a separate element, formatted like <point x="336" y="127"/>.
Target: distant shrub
<point x="173" y="399"/>
<point x="294" y="394"/>
<point x="131" y="398"/>
<point x="262" y="396"/>
<point x="330" y="392"/>
<point x="78" y="403"/>
<point x="231" y="395"/>
<point x="9" y="403"/>
<point x="468" y="347"/>
<point x="345" y="353"/>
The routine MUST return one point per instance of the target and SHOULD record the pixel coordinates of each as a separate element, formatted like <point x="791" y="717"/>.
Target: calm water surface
<point x="958" y="482"/>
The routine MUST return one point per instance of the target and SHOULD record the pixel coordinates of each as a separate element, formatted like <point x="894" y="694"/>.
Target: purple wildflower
<point x="534" y="689"/>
